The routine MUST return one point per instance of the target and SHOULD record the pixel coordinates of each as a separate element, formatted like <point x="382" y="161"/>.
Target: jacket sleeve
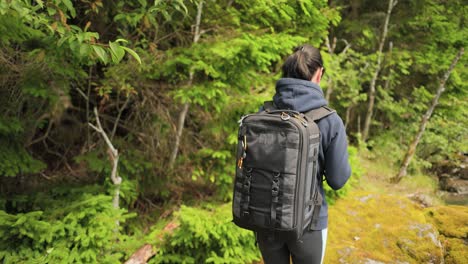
<point x="337" y="168"/>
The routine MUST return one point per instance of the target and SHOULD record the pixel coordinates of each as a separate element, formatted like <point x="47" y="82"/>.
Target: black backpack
<point x="276" y="187"/>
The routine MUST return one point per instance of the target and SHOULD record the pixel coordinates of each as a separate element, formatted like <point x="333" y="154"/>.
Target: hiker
<point x="299" y="90"/>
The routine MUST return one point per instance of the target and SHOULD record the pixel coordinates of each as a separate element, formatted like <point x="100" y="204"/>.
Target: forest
<point x="118" y="125"/>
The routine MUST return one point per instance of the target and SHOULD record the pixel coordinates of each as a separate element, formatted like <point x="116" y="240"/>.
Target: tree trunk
<point x="387" y="81"/>
<point x="370" y="107"/>
<point x="348" y="116"/>
<point x="114" y="158"/>
<point x="331" y="51"/>
<point x="359" y="124"/>
<point x="355" y="5"/>
<point x="186" y="106"/>
<point x="412" y="148"/>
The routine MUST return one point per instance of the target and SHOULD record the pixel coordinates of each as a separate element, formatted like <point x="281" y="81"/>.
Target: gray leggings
<point x="308" y="250"/>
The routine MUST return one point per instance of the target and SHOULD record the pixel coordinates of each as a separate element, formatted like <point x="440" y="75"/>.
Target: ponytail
<point x="303" y="63"/>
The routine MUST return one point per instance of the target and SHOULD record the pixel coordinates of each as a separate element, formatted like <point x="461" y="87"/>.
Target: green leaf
<point x="101" y="54"/>
<point x="70" y="8"/>
<point x="40" y="3"/>
<point x="117" y="52"/>
<point x="121" y="40"/>
<point x="133" y="53"/>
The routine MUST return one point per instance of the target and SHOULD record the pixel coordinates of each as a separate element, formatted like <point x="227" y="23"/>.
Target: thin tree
<point x="370" y="106"/>
<point x="331" y="51"/>
<point x="186" y="106"/>
<point x="412" y="148"/>
<point x="113" y="157"/>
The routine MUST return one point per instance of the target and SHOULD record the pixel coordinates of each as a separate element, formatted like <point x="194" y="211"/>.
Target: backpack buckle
<point x="275" y="186"/>
<point x="285" y="116"/>
<point x="274" y="191"/>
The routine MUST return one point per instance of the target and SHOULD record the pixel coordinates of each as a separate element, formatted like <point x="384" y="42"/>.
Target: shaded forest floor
<point x="380" y="222"/>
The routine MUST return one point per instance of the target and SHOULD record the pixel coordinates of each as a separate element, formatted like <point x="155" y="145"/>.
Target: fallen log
<point x="144" y="253"/>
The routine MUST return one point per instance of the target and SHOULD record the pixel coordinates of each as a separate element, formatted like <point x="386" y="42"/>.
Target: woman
<point x="299" y="90"/>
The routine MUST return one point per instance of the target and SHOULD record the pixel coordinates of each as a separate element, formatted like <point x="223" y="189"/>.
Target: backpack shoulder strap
<point x="269" y="106"/>
<point x="319" y="113"/>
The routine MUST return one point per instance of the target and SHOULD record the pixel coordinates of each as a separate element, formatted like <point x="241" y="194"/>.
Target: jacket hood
<point x="299" y="95"/>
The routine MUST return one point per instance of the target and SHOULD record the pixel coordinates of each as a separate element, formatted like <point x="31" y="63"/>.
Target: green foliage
<point x="356" y="173"/>
<point x="208" y="236"/>
<point x="65" y="227"/>
<point x="131" y="168"/>
<point x="15" y="160"/>
<point x="60" y="58"/>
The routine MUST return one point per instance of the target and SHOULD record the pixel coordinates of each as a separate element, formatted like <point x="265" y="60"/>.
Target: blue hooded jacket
<point x="301" y="95"/>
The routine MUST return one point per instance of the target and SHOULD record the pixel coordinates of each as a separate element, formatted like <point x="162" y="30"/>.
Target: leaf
<point x="117" y="52"/>
<point x="70" y="8"/>
<point x="101" y="54"/>
<point x="40" y="3"/>
<point x="62" y="40"/>
<point x="121" y="40"/>
<point x="84" y="50"/>
<point x="133" y="53"/>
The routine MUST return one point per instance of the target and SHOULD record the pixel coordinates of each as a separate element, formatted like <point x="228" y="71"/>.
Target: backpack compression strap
<point x="269" y="106"/>
<point x="314" y="114"/>
<point x="319" y="113"/>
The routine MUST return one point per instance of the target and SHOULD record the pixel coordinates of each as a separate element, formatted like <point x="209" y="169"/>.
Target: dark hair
<point x="303" y="63"/>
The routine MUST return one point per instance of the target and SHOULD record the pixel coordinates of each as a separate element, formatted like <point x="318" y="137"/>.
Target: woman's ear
<point x="317" y="76"/>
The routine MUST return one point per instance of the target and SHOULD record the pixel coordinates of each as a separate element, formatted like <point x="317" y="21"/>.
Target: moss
<point x="452" y="223"/>
<point x="456" y="251"/>
<point x="386" y="228"/>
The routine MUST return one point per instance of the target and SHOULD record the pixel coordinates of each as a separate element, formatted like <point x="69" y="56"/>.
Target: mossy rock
<point x="451" y="220"/>
<point x="452" y="223"/>
<point x="456" y="251"/>
<point x="376" y="228"/>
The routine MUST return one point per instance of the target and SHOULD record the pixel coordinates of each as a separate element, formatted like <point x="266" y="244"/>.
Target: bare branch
<point x="348" y="45"/>
<point x="104" y="135"/>
<point x="82" y="94"/>
<point x="95" y="128"/>
<point x="46" y="134"/>
<point x="113" y="153"/>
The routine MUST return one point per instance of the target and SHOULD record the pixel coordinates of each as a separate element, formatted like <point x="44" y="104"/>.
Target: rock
<point x="451" y="198"/>
<point x="371" y="261"/>
<point x="344" y="253"/>
<point x="456" y="251"/>
<point x="422" y="199"/>
<point x="463" y="172"/>
<point x="452" y="223"/>
<point x="427" y="231"/>
<point x="406" y="245"/>
<point x="365" y="198"/>
<point x="455" y="185"/>
<point x="390" y="228"/>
